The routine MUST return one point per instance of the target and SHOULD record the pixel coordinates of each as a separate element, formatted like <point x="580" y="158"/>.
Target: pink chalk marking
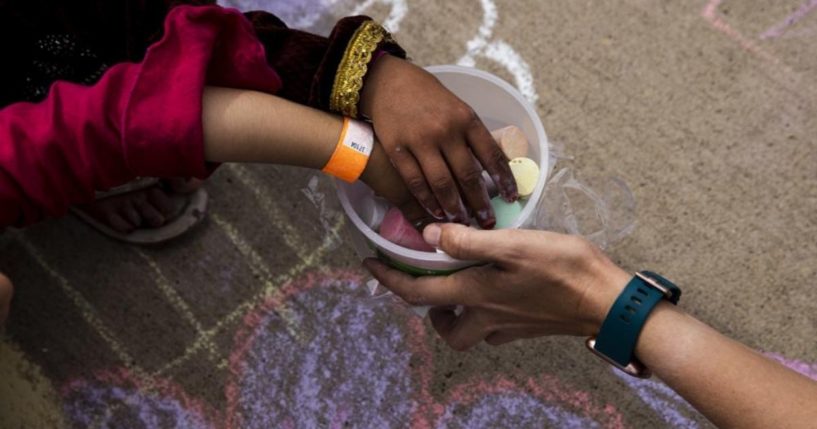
<point x="423" y="371"/>
<point x="781" y="27"/>
<point x="711" y="15"/>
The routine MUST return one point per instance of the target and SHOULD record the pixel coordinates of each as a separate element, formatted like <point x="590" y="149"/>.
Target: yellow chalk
<point x="526" y="173"/>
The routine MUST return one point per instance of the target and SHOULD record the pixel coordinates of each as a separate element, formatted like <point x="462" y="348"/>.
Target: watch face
<point x="671" y="291"/>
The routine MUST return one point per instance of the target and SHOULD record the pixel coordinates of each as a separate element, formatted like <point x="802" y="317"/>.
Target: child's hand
<point x="381" y="176"/>
<point x="436" y="142"/>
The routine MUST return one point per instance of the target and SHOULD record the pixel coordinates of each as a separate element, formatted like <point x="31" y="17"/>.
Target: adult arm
<point x="541" y="283"/>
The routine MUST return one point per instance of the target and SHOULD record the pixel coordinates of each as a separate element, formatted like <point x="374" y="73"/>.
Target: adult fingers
<point x="491" y="157"/>
<point x="469" y="176"/>
<point x="443" y="319"/>
<point x="426" y="290"/>
<point x="460" y="332"/>
<point x="442" y="184"/>
<point x="467" y="243"/>
<point x="406" y="165"/>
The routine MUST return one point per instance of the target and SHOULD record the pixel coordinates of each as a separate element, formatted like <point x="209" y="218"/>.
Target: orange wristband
<point x="352" y="152"/>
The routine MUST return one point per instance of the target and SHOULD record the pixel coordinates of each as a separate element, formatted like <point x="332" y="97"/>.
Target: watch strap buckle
<point x="634" y="368"/>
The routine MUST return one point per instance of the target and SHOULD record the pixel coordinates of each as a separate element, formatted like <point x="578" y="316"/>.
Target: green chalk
<point x="506" y="213"/>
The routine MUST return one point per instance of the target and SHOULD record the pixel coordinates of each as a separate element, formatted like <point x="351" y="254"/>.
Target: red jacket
<point x="143" y="116"/>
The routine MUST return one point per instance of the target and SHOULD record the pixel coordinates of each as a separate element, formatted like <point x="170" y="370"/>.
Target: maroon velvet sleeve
<point x="139" y="119"/>
<point x="306" y="62"/>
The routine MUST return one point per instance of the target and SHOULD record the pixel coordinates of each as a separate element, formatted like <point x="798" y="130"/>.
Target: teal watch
<point x="616" y="340"/>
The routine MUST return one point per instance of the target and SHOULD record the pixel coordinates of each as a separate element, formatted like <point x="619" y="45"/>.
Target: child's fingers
<point x="469" y="175"/>
<point x="491" y="157"/>
<point x="442" y="184"/>
<point x="411" y="173"/>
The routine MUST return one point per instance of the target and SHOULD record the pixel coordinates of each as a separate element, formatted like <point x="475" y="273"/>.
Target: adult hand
<point x="436" y="142"/>
<point x="537" y="283"/>
<point x="5" y="297"/>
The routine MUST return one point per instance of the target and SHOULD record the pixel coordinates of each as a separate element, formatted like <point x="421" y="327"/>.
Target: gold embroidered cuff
<point x="353" y="67"/>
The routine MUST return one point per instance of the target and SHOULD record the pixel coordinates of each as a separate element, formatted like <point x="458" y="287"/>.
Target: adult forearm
<point x="729" y="383"/>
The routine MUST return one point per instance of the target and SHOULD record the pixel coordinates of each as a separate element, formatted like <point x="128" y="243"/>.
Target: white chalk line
<point x="177" y="302"/>
<point x="270" y="289"/>
<point x="500" y="52"/>
<point x="399" y="8"/>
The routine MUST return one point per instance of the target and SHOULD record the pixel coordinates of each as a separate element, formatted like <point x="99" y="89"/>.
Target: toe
<point x="118" y="223"/>
<point x="182" y="185"/>
<point x="151" y="214"/>
<point x="159" y="199"/>
<point x="129" y="213"/>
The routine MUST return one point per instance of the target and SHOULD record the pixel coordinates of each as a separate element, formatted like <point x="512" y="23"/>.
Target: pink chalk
<point x="397" y="229"/>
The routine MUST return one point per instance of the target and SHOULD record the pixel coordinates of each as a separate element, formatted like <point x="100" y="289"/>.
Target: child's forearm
<point x="248" y="126"/>
<point x="729" y="383"/>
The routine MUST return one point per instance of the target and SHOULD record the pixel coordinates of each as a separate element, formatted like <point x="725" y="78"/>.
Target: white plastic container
<point x="498" y="104"/>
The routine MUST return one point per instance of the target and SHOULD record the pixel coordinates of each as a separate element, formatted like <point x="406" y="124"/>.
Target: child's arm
<point x="247" y="126"/>
<point x="436" y="142"/>
<point x="140" y="119"/>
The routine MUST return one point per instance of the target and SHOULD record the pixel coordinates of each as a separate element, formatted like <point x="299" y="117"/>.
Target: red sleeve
<point x="306" y="62"/>
<point x="139" y="120"/>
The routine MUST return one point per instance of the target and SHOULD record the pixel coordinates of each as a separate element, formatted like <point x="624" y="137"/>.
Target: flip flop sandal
<point x="189" y="212"/>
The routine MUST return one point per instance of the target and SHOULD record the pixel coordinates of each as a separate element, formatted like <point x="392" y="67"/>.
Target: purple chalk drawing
<point x="807" y="369"/>
<point x="539" y="402"/>
<point x="778" y="29"/>
<point x="351" y="365"/>
<point x="117" y="399"/>
<point x="664" y="401"/>
<point x="512" y="411"/>
<point x="320" y="354"/>
<point x="296" y="14"/>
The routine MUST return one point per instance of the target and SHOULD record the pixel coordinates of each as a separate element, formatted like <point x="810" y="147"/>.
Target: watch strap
<point x="621" y="328"/>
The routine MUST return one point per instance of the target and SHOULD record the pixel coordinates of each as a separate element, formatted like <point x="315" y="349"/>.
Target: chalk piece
<point x="372" y="286"/>
<point x="512" y="141"/>
<point x="372" y="211"/>
<point x="505" y="212"/>
<point x="397" y="229"/>
<point x="526" y="173"/>
<point x="421" y="310"/>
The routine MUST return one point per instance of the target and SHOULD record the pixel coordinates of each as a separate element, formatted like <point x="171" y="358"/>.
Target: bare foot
<point x="150" y="207"/>
<point x="6" y="291"/>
